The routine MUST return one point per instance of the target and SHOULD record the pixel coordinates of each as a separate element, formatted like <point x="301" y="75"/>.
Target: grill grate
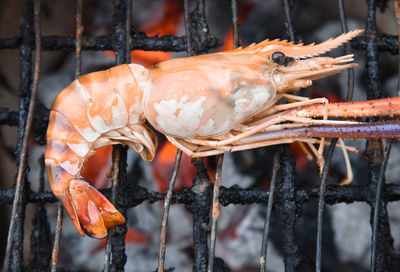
<point x="287" y="199"/>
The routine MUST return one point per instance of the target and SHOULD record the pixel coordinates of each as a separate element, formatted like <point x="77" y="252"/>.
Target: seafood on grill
<point x="205" y="105"/>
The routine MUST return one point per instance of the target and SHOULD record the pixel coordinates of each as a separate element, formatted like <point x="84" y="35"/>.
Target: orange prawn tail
<point x="95" y="110"/>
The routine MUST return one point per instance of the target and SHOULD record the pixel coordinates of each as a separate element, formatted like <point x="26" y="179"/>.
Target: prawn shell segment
<point x="105" y="107"/>
<point x="72" y="103"/>
<point x="111" y="97"/>
<point x="206" y="95"/>
<point x="66" y="149"/>
<point x="97" y="109"/>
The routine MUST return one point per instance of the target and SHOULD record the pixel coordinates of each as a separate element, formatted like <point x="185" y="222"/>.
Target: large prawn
<point x="205" y="105"/>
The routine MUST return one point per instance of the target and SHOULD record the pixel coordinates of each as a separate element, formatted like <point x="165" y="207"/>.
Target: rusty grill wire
<point x="284" y="195"/>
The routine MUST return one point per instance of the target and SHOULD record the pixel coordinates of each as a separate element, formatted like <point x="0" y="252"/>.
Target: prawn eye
<point x="278" y="57"/>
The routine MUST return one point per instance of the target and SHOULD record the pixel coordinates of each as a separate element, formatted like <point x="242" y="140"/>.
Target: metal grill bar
<point x="232" y="195"/>
<point x="288" y="207"/>
<point x="60" y="209"/>
<point x="139" y="41"/>
<point x="200" y="208"/>
<point x="115" y="250"/>
<point x="286" y="185"/>
<point x="14" y="251"/>
<point x="264" y="246"/>
<point x="396" y="5"/>
<point x="347" y="50"/>
<point x="288" y="19"/>
<point x="385" y="43"/>
<point x="215" y="213"/>
<point x="40" y="236"/>
<point x="235" y="24"/>
<point x="321" y="204"/>
<point x="188" y="29"/>
<point x="384" y="247"/>
<point x="168" y="197"/>
<point x="377" y="205"/>
<point x="167" y="203"/>
<point x="57" y="237"/>
<point x="78" y="42"/>
<point x="374" y="88"/>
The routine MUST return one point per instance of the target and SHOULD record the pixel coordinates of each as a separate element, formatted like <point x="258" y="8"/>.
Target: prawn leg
<point x="303" y="101"/>
<point x="295" y="101"/>
<point x="192" y="152"/>
<point x="303" y="115"/>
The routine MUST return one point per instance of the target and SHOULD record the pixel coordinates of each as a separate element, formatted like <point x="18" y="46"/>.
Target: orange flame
<point x="95" y="168"/>
<point x="163" y="165"/>
<point x="166" y="24"/>
<point x="242" y="15"/>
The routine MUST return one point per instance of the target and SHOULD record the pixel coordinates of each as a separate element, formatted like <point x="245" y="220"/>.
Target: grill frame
<point x="287" y="198"/>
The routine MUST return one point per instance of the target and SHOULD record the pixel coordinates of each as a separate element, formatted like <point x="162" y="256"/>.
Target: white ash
<point x="351" y="225"/>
